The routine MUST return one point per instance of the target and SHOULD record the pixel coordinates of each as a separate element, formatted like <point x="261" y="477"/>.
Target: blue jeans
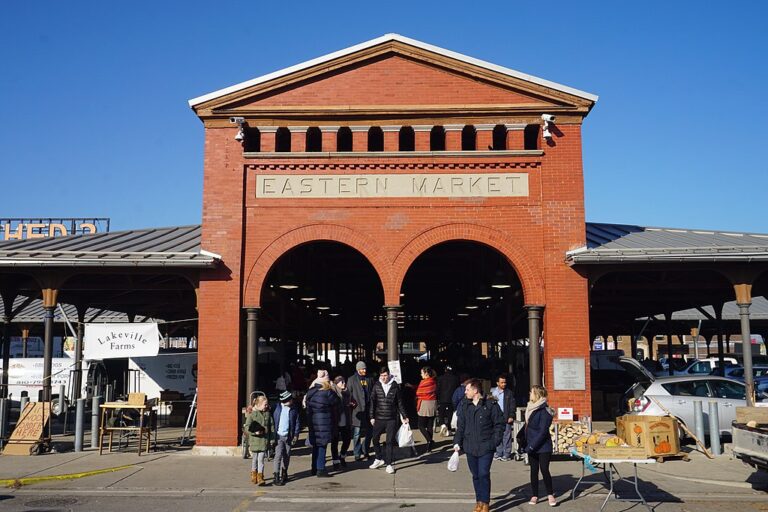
<point x="318" y="457"/>
<point x="504" y="450"/>
<point x="480" y="467"/>
<point x="357" y="434"/>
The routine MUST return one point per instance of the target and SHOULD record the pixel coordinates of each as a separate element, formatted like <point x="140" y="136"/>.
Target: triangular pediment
<point x="396" y="73"/>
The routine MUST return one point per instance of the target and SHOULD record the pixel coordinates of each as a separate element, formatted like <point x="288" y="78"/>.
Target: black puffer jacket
<point x="386" y="406"/>
<point x="480" y="428"/>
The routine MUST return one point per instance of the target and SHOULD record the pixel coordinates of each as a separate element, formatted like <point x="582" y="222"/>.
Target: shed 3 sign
<point x="110" y="341"/>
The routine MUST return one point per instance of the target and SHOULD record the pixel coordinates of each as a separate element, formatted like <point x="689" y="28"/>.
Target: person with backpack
<point x="480" y="430"/>
<point x="261" y="431"/>
<point x="287" y="428"/>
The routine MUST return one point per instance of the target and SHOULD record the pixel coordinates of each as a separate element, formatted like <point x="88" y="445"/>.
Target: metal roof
<point x="156" y="247"/>
<point x="381" y="40"/>
<point x="33" y="312"/>
<point x="622" y="243"/>
<point x="758" y="311"/>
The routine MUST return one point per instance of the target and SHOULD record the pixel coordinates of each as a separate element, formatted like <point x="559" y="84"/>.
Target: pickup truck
<point x="750" y="436"/>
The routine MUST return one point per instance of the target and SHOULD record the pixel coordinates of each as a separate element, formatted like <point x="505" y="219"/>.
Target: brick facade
<point x="399" y="88"/>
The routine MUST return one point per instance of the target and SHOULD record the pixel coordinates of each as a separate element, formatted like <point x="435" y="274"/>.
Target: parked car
<point x="678" y="393"/>
<point x="760" y="373"/>
<point x="700" y="366"/>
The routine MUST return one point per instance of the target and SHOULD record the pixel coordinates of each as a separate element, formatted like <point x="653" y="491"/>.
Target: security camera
<point x="237" y="120"/>
<point x="548" y="118"/>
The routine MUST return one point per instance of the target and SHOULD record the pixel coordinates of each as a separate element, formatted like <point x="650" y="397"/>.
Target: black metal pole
<point x="534" y="333"/>
<point x="48" y="352"/>
<point x="6" y="354"/>
<point x="392" y="349"/>
<point x="78" y="384"/>
<point x="746" y="349"/>
<point x="252" y="361"/>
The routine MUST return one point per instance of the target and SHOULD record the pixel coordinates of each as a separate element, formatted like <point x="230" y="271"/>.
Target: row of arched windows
<point x="406" y="139"/>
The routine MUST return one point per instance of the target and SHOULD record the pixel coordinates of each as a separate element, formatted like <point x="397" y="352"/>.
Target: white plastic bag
<point x="405" y="436"/>
<point x="453" y="462"/>
<point x="454" y="421"/>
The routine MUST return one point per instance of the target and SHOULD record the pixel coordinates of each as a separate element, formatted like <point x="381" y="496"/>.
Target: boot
<point x="477" y="507"/>
<point x="260" y="480"/>
<point x="253" y="477"/>
<point x="484" y="507"/>
<point x="283" y="476"/>
<point x="276" y="480"/>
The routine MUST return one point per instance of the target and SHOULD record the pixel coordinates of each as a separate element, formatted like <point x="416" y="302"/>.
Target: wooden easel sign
<point x="29" y="430"/>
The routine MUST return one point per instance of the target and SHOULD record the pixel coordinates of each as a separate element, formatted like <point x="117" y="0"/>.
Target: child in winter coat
<point x="261" y="432"/>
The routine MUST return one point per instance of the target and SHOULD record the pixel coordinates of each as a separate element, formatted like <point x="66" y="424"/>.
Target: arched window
<point x="531" y="136"/>
<point x="283" y="140"/>
<point x="407" y="139"/>
<point x="375" y="139"/>
<point x="252" y="142"/>
<point x="499" y="137"/>
<point x="314" y="139"/>
<point x="468" y="138"/>
<point x="437" y="139"/>
<point x="344" y="139"/>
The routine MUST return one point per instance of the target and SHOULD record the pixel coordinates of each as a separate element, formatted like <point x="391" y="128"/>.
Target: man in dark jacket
<point x="385" y="410"/>
<point x="506" y="402"/>
<point x="360" y="386"/>
<point x="287" y="428"/>
<point x="446" y="385"/>
<point x="479" y="432"/>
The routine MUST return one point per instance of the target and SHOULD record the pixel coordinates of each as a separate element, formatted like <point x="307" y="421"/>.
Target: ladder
<point x="191" y="421"/>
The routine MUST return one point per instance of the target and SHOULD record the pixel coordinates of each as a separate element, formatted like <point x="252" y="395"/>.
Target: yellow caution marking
<point x="18" y="482"/>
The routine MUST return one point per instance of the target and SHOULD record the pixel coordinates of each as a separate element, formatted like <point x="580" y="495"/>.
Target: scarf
<point x="427" y="390"/>
<point x="533" y="406"/>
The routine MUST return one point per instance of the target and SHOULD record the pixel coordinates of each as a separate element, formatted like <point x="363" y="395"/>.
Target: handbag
<point x="256" y="428"/>
<point x="522" y="441"/>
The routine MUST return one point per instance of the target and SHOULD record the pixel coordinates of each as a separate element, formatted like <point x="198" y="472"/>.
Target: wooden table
<point x="141" y="429"/>
<point x="611" y="475"/>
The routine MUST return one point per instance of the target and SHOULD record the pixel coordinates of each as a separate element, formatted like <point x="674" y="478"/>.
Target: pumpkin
<point x="638" y="429"/>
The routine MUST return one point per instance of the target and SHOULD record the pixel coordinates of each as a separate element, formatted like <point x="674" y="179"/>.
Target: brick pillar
<point x="391" y="138"/>
<point x="484" y="137"/>
<point x="268" y="138"/>
<point x="515" y="137"/>
<point x="298" y="138"/>
<point x="453" y="136"/>
<point x="329" y="137"/>
<point x="422" y="133"/>
<point x="359" y="138"/>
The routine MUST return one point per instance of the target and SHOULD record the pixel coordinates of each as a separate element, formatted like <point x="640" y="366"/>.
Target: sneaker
<point x="504" y="459"/>
<point x="444" y="430"/>
<point x="552" y="501"/>
<point x="390" y="469"/>
<point x="343" y="462"/>
<point x="323" y="474"/>
<point x="376" y="464"/>
<point x="358" y="458"/>
<point x="533" y="501"/>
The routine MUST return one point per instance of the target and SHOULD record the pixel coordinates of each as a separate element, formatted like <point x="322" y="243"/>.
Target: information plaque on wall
<point x="569" y="374"/>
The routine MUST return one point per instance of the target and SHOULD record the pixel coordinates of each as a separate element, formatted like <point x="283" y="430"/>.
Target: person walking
<point x="386" y="407"/>
<point x="480" y="430"/>
<point x="287" y="428"/>
<point x="360" y="386"/>
<point x="459" y="394"/>
<point x="344" y="430"/>
<point x="538" y="418"/>
<point x="506" y="401"/>
<point x="260" y="428"/>
<point x="446" y="385"/>
<point x="322" y="417"/>
<point x="426" y="404"/>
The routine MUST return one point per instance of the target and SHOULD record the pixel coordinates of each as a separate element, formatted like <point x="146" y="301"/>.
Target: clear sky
<point x="95" y="120"/>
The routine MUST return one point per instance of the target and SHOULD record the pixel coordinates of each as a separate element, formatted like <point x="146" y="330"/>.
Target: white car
<point x="678" y="393"/>
<point x="704" y="366"/>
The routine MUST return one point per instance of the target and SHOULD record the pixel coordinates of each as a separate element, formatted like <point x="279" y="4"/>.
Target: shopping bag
<point x="453" y="462"/>
<point x="404" y="436"/>
<point x="454" y="421"/>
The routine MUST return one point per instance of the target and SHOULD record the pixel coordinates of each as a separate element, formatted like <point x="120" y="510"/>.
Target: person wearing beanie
<point x="287" y="428"/>
<point x="360" y="386"/>
<point x="344" y="432"/>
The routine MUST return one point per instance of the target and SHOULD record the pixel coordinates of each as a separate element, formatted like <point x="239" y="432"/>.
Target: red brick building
<point x="391" y="148"/>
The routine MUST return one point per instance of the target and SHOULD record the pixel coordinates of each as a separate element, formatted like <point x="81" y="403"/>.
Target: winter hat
<point x="338" y="379"/>
<point x="322" y="375"/>
<point x="361" y="366"/>
<point x="285" y="396"/>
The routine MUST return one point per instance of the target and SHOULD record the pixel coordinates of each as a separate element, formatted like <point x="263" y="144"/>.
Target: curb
<point x="19" y="482"/>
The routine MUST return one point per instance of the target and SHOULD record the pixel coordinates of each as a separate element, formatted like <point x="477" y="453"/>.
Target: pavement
<point x="174" y="471"/>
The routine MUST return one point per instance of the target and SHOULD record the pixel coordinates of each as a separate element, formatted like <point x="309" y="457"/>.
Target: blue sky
<point x="95" y="120"/>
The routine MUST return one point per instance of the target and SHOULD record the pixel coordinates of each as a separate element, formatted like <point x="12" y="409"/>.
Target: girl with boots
<point x="261" y="433"/>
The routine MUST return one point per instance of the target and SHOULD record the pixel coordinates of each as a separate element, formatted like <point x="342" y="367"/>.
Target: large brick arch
<point x="533" y="284"/>
<point x="305" y="234"/>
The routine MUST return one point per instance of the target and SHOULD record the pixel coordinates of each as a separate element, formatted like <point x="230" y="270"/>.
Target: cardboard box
<point x="658" y="435"/>
<point x="598" y="451"/>
<point x="757" y="414"/>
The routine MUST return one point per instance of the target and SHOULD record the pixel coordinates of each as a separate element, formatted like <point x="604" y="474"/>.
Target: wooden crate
<point x="658" y="435"/>
<point x="598" y="451"/>
<point x="747" y="414"/>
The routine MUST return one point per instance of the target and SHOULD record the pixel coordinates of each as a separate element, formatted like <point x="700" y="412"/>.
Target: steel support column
<point x="49" y="305"/>
<point x="6" y="353"/>
<point x="252" y="356"/>
<point x="534" y="334"/>
<point x="392" y="348"/>
<point x="78" y="384"/>
<point x="744" y="300"/>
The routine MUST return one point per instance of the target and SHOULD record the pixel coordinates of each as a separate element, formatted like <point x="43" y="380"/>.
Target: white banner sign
<point x="395" y="371"/>
<point x="110" y="341"/>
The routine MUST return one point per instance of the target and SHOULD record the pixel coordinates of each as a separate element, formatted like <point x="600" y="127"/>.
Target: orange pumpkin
<point x="638" y="429"/>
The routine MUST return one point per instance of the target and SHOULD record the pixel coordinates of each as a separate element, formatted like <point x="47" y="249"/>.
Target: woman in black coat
<point x="323" y="420"/>
<point x="538" y="418"/>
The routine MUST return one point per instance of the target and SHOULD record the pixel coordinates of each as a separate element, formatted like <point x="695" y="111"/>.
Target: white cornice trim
<point x="385" y="39"/>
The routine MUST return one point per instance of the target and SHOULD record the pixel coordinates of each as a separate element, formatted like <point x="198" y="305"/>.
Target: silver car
<point x="677" y="395"/>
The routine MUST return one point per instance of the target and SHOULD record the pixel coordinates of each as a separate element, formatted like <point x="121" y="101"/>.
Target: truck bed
<point x="750" y="444"/>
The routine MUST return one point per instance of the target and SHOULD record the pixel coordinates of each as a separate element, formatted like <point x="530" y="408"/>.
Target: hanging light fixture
<point x="288" y="281"/>
<point x="323" y="308"/>
<point x="500" y="281"/>
<point x="308" y="295"/>
<point x="484" y="294"/>
<point x="471" y="306"/>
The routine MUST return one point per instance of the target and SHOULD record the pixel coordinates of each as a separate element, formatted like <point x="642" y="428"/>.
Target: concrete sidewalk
<point x="179" y="472"/>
